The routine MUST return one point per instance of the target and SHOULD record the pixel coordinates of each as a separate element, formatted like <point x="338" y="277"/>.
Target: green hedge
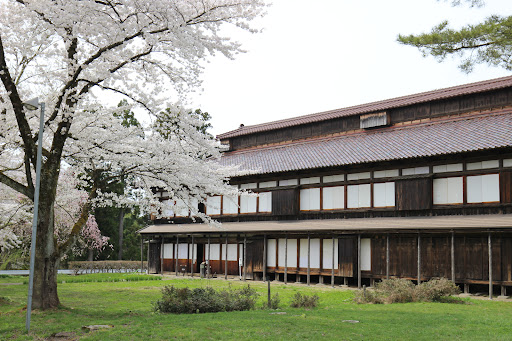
<point x="105" y="266"/>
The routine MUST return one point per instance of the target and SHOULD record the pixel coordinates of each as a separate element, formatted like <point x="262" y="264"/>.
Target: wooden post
<point x="162" y="256"/>
<point x="286" y="259"/>
<point x="453" y="256"/>
<point x="208" y="260"/>
<point x="387" y="256"/>
<point x="141" y="254"/>
<point x="177" y="254"/>
<point x="226" y="259"/>
<point x="188" y="257"/>
<point x="192" y="263"/>
<point x="359" y="261"/>
<point x="147" y="256"/>
<point x="245" y="257"/>
<point x="332" y="270"/>
<point x="264" y="257"/>
<point x="419" y="259"/>
<point x="489" y="242"/>
<point x="309" y="260"/>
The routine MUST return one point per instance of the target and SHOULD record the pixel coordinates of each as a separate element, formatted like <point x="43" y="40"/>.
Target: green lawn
<point x="128" y="307"/>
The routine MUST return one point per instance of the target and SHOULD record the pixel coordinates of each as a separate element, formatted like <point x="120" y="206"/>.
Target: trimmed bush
<point x="205" y="300"/>
<point x="304" y="301"/>
<point x="402" y="291"/>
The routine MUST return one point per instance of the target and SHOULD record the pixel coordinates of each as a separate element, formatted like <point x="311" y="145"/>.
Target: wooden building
<point x="414" y="187"/>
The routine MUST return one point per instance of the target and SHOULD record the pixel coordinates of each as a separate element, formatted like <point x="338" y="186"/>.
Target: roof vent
<point x="374" y="120"/>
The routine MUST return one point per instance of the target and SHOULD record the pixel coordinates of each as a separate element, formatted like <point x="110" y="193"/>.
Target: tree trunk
<point x="90" y="255"/>
<point x="46" y="263"/>
<point x="121" y="228"/>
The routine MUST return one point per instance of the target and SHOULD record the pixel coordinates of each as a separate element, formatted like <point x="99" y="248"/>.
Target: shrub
<point x="274" y="302"/>
<point x="402" y="291"/>
<point x="83" y="267"/>
<point x="436" y="289"/>
<point x="304" y="301"/>
<point x="204" y="300"/>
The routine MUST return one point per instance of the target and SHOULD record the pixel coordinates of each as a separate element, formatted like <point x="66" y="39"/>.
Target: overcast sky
<point x="320" y="55"/>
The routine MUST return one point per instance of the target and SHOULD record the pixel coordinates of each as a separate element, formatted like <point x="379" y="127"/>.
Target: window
<point x="249" y="186"/>
<point x="289" y="182"/>
<point x="248" y="203"/>
<point x="310" y="199"/>
<point x="229" y="205"/>
<point x="366" y="254"/>
<point x="292" y="253"/>
<point x="454" y="167"/>
<point x="483" y="188"/>
<point x="327" y="254"/>
<point x="214" y="252"/>
<point x="314" y="255"/>
<point x="415" y="170"/>
<point x="168" y="251"/>
<point x="384" y="194"/>
<point x="385" y="173"/>
<point x="181" y="208"/>
<point x="448" y="191"/>
<point x="271" y="252"/>
<point x="333" y="197"/>
<point x="507" y="163"/>
<point x="265" y="201"/>
<point x="358" y="176"/>
<point x="483" y="165"/>
<point x="213" y="205"/>
<point x="313" y="180"/>
<point x="334" y="178"/>
<point x="267" y="184"/>
<point x="168" y="208"/>
<point x="358" y="196"/>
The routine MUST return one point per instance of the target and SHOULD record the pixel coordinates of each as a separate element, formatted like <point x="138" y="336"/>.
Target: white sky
<point x="327" y="54"/>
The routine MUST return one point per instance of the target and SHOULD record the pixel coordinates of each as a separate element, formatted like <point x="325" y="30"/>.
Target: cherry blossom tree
<point x="66" y="52"/>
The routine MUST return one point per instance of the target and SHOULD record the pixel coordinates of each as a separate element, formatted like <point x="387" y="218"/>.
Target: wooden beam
<point x="489" y="242"/>
<point x="452" y="251"/>
<point x="359" y="261"/>
<point x="387" y="256"/>
<point x="419" y="258"/>
<point x="264" y="257"/>
<point x="309" y="260"/>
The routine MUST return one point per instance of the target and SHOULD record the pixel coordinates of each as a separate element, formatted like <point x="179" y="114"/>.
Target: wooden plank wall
<point x="285" y="202"/>
<point x="413" y="194"/>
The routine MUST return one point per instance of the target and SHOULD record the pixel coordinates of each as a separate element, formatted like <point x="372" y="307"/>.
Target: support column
<point x="141" y="254"/>
<point x="309" y="261"/>
<point x="192" y="262"/>
<point x="208" y="259"/>
<point x="452" y="251"/>
<point x="147" y="256"/>
<point x="226" y="259"/>
<point x="489" y="242"/>
<point x="188" y="257"/>
<point x="177" y="253"/>
<point x="359" y="261"/>
<point x="286" y="259"/>
<point x="419" y="259"/>
<point x="264" y="257"/>
<point x="387" y="256"/>
<point x="245" y="257"/>
<point x="162" y="256"/>
<point x="332" y="270"/>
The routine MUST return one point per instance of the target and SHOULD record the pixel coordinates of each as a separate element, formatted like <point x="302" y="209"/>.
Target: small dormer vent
<point x="374" y="120"/>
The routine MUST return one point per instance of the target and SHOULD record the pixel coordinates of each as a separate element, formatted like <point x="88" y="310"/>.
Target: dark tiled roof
<point x="465" y="89"/>
<point x="438" y="137"/>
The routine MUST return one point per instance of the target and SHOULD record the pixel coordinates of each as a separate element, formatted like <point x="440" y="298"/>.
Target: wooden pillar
<point x="147" y="256"/>
<point x="264" y="257"/>
<point x="208" y="259"/>
<point x="188" y="257"/>
<point x="387" y="256"/>
<point x="452" y="251"/>
<point x="226" y="259"/>
<point x="359" y="261"/>
<point x="141" y="254"/>
<point x="332" y="270"/>
<point x="489" y="242"/>
<point x="245" y="256"/>
<point x="309" y="260"/>
<point x="192" y="261"/>
<point x="162" y="256"/>
<point x="177" y="254"/>
<point x="286" y="259"/>
<point x="419" y="258"/>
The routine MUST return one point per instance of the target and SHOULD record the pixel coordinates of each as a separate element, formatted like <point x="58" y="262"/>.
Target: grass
<point x="128" y="306"/>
